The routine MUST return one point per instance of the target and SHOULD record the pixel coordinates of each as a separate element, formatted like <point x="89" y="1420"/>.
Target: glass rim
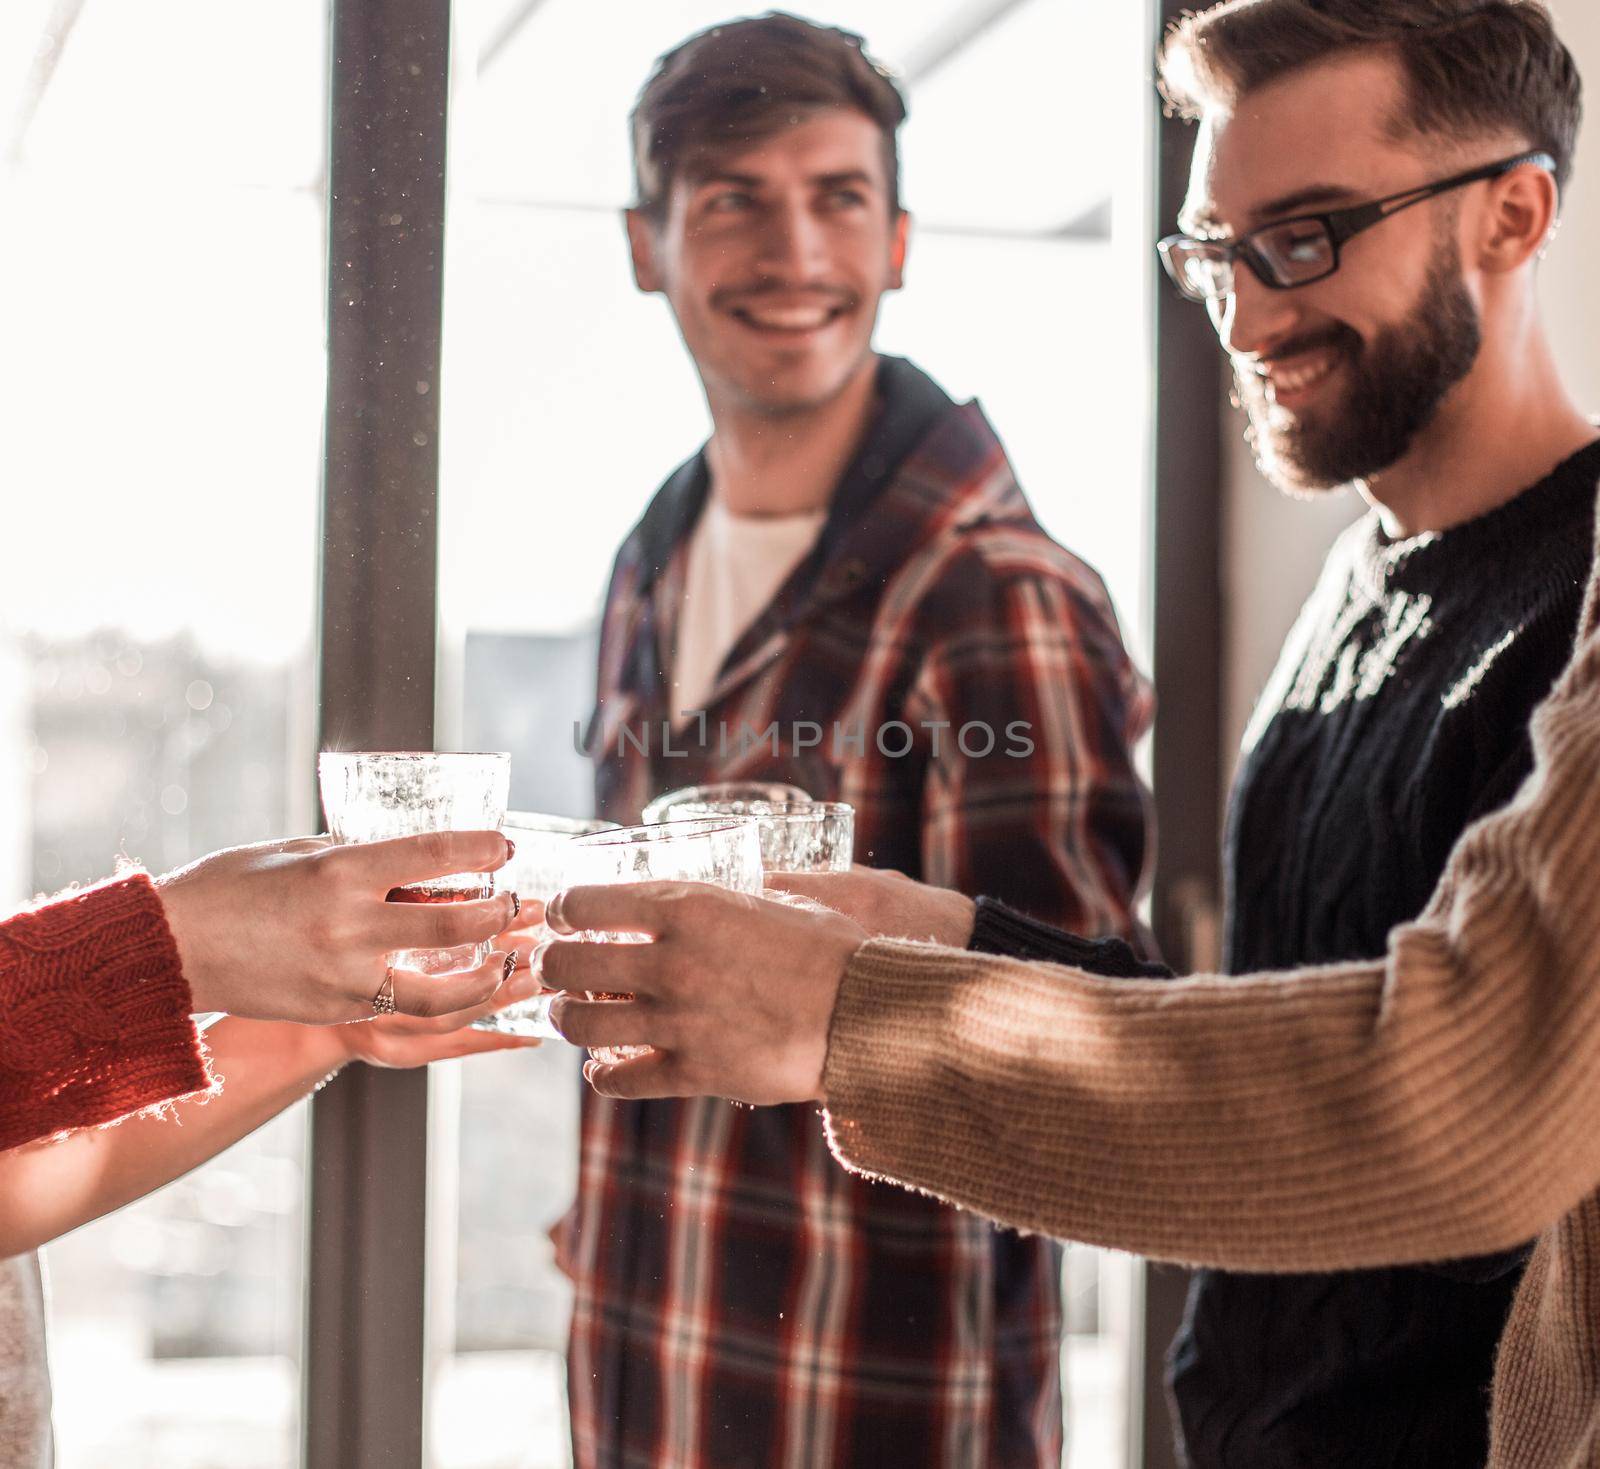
<point x="691" y="795"/>
<point x="767" y="810"/>
<point x="665" y="831"/>
<point x="733" y="785"/>
<point x="572" y="826"/>
<point x="342" y="755"/>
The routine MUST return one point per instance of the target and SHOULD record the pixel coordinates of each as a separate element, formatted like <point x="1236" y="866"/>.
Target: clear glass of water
<point x="719" y="795"/>
<point x="724" y="851"/>
<point x="371" y="796"/>
<point x="796" y="836"/>
<point x="534" y="873"/>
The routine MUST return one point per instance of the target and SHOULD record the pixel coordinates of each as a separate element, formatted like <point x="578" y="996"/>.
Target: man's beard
<point x="1396" y="386"/>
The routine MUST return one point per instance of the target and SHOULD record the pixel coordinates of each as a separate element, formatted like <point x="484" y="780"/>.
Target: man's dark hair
<point x="735" y="84"/>
<point x="1471" y="67"/>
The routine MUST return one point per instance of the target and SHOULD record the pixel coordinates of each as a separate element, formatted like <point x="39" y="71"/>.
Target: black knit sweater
<point x="1398" y="715"/>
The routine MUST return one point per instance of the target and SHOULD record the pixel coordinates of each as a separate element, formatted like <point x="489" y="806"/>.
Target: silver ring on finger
<point x="383" y="1001"/>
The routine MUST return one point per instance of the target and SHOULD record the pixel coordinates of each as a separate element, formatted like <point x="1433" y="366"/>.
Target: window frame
<point x="1189" y="386"/>
<point x="363" y="1385"/>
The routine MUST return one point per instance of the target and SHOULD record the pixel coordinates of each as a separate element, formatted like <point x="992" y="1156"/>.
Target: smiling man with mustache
<point x="846" y="590"/>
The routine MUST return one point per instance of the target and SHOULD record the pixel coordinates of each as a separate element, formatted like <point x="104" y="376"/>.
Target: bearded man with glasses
<point x="1372" y="187"/>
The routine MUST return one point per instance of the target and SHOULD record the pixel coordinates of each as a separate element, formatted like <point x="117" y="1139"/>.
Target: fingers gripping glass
<point x="1297" y="251"/>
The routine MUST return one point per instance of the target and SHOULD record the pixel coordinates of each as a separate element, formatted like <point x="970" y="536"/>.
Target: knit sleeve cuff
<point x="896" y="1017"/>
<point x="998" y="929"/>
<point x="94" y="1012"/>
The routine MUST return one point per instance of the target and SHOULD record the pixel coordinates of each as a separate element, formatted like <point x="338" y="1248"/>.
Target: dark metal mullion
<point x="364" y="1375"/>
<point x="1188" y="766"/>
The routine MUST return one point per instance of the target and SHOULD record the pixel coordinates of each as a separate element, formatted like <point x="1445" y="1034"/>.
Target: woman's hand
<point x="887" y="904"/>
<point x="526" y="933"/>
<point x="406" y="1040"/>
<point x="298" y="930"/>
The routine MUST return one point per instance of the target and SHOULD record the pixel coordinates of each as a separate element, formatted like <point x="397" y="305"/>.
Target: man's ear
<point x="1523" y="208"/>
<point x="642" y="247"/>
<point x="897" y="250"/>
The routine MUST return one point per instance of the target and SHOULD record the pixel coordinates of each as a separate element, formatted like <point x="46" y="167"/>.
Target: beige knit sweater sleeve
<point x="1444" y="1102"/>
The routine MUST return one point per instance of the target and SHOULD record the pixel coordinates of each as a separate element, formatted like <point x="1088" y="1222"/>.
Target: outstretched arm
<point x="1436" y="1104"/>
<point x="96" y="986"/>
<point x="261" y="1067"/>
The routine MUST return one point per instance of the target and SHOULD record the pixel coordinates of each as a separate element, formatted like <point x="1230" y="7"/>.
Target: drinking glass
<point x="534" y="872"/>
<point x="796" y="836"/>
<point x="720" y="792"/>
<point x="370" y="796"/>
<point x="725" y="851"/>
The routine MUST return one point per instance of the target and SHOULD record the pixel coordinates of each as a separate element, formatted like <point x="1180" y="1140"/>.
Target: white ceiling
<point x="1004" y="134"/>
<point x="989" y="143"/>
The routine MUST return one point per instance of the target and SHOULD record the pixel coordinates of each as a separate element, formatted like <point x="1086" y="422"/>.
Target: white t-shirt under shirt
<point x="736" y="565"/>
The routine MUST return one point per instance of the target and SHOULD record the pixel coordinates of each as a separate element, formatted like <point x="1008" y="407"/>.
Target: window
<point x="161" y="280"/>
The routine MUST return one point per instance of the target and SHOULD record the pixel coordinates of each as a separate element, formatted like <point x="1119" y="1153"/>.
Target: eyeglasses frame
<point x="1340" y="225"/>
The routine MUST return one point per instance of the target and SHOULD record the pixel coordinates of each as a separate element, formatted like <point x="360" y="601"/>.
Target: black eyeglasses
<point x="1296" y="252"/>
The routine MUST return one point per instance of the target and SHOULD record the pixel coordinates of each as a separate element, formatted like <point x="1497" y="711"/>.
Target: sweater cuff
<point x="94" y="1012"/>
<point x="896" y="1017"/>
<point x="998" y="929"/>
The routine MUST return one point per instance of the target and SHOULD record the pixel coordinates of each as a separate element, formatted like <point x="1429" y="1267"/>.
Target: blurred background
<point x="164" y="298"/>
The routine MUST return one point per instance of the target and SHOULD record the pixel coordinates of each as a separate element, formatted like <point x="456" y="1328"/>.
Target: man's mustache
<point x="829" y="297"/>
<point x="1327" y="338"/>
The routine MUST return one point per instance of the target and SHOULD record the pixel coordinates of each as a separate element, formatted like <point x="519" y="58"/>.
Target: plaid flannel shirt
<point x="740" y="1300"/>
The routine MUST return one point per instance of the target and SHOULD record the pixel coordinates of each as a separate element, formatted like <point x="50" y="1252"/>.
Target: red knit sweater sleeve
<point x="94" y="1012"/>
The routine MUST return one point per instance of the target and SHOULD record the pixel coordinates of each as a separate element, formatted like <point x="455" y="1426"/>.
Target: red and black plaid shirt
<point x="740" y="1299"/>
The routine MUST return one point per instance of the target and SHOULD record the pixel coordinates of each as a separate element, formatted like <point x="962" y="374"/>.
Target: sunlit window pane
<point x="161" y="282"/>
